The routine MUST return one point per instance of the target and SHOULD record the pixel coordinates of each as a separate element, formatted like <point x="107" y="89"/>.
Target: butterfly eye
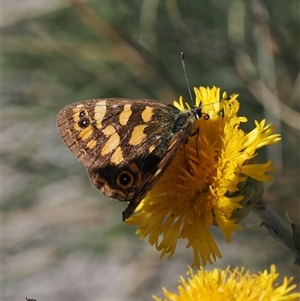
<point x="125" y="179"/>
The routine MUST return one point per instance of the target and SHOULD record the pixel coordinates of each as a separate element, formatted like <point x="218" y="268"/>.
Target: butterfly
<point x="125" y="144"/>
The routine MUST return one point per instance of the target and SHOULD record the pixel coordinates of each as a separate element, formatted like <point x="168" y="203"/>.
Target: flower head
<point x="201" y="187"/>
<point x="236" y="285"/>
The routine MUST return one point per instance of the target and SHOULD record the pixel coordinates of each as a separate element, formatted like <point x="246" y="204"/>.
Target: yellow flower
<point x="236" y="285"/>
<point x="186" y="201"/>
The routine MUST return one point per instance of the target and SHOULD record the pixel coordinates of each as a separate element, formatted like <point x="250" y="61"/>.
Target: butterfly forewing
<point x="99" y="129"/>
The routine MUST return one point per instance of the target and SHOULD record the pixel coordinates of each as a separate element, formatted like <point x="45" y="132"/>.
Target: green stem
<point x="277" y="229"/>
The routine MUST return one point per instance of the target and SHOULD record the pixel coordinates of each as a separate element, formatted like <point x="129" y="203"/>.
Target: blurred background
<point x="63" y="240"/>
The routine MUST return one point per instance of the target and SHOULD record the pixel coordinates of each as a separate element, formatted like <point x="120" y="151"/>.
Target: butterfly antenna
<point x="185" y="76"/>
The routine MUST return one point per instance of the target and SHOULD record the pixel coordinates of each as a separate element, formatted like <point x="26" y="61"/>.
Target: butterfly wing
<point x="156" y="172"/>
<point x="125" y="144"/>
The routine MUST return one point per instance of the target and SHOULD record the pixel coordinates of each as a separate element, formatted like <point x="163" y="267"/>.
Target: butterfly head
<point x="197" y="112"/>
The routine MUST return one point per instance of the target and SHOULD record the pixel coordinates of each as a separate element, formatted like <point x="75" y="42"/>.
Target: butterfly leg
<point x="196" y="133"/>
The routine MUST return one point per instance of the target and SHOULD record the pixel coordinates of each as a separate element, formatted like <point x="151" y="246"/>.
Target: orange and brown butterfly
<point x="125" y="144"/>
